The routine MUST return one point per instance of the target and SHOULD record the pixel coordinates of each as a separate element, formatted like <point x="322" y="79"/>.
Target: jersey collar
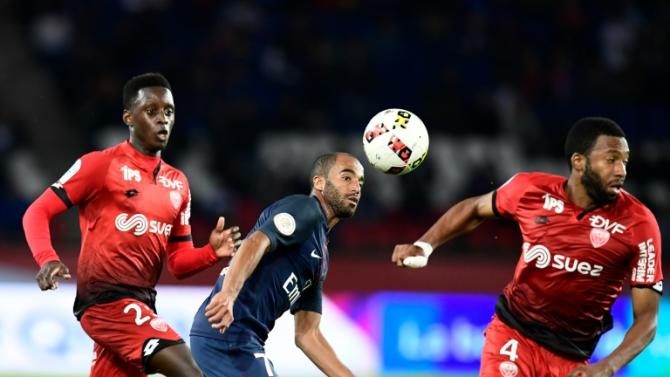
<point x="581" y="212"/>
<point x="148" y="163"/>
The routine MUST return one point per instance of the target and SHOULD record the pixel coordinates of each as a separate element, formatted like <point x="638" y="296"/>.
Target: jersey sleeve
<point x="184" y="259"/>
<point x="84" y="178"/>
<point x="181" y="230"/>
<point x="36" y="222"/>
<point x="310" y="300"/>
<point x="291" y="221"/>
<point x="506" y="198"/>
<point x="646" y="263"/>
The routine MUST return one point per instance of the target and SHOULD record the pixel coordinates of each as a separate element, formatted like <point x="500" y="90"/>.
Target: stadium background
<point x="263" y="87"/>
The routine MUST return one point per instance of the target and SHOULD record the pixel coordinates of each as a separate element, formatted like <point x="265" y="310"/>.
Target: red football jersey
<point x="574" y="263"/>
<point x="130" y="205"/>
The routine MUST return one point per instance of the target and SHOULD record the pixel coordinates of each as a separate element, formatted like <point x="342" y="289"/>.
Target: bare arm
<point x="639" y="335"/>
<point x="310" y="340"/>
<point x="219" y="312"/>
<point x="463" y="217"/>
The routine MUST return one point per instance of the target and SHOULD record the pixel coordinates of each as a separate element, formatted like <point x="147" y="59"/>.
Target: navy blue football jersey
<point x="289" y="276"/>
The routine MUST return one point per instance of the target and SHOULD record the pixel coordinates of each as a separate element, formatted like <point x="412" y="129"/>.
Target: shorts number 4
<point x="510" y="349"/>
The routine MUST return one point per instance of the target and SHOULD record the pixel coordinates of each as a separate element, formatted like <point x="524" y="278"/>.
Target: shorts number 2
<point x="139" y="320"/>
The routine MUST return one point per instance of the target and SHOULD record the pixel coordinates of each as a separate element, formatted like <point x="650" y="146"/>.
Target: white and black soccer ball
<point x="395" y="141"/>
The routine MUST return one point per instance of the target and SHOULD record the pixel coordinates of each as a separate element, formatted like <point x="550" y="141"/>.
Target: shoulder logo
<point x="68" y="174"/>
<point x="185" y="215"/>
<point x="314" y="254"/>
<point x="645" y="270"/>
<point x="285" y="223"/>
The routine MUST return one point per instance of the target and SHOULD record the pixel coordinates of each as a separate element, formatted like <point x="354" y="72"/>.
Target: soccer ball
<point x="395" y="141"/>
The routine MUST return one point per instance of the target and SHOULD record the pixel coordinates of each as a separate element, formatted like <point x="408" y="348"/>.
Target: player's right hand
<point x="219" y="312"/>
<point x="225" y="241"/>
<point x="46" y="277"/>
<point x="407" y="255"/>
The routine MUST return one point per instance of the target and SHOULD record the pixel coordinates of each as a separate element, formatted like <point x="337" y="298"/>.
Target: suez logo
<point x="139" y="224"/>
<point x="543" y="258"/>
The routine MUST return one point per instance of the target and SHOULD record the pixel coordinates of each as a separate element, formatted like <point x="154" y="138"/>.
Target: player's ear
<point x="578" y="162"/>
<point x="319" y="182"/>
<point x="127" y="118"/>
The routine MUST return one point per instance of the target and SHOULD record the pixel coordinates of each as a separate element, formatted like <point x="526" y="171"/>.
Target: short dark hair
<point x="145" y="80"/>
<point x="584" y="133"/>
<point x="322" y="165"/>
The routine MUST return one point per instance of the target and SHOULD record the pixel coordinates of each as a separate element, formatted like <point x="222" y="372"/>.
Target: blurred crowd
<point x="257" y="83"/>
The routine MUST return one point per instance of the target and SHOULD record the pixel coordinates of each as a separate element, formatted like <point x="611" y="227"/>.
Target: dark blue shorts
<point x="217" y="359"/>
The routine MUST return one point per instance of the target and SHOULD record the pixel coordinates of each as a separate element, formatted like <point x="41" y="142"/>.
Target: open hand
<point x="219" y="312"/>
<point x="46" y="277"/>
<point x="225" y="241"/>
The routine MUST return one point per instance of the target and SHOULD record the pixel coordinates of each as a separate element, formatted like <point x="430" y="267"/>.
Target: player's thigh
<point x="108" y="364"/>
<point x="506" y="353"/>
<point x="174" y="361"/>
<point x="555" y="365"/>
<point x="129" y="329"/>
<point x="217" y="359"/>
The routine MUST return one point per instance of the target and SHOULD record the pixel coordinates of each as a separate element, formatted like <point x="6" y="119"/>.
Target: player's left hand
<point x="406" y="255"/>
<point x="593" y="370"/>
<point x="225" y="241"/>
<point x="219" y="312"/>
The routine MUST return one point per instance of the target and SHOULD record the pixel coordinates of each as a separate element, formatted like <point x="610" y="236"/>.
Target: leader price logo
<point x="645" y="270"/>
<point x="543" y="258"/>
<point x="139" y="225"/>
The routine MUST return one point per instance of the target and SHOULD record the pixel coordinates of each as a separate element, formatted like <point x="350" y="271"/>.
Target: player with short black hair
<point x="134" y="212"/>
<point x="582" y="236"/>
<point x="131" y="89"/>
<point x="584" y="133"/>
<point x="280" y="266"/>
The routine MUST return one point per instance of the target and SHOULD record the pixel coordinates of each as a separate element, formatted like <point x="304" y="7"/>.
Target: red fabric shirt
<point x="574" y="263"/>
<point x="134" y="210"/>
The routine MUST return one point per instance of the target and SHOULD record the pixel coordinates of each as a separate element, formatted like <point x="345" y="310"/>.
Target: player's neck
<point x="327" y="210"/>
<point x="140" y="148"/>
<point x="577" y="193"/>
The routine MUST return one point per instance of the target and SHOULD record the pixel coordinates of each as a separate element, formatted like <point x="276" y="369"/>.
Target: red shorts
<point x="126" y="334"/>
<point x="508" y="353"/>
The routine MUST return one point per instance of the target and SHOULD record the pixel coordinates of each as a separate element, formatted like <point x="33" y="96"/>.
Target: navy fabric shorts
<point x="218" y="359"/>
